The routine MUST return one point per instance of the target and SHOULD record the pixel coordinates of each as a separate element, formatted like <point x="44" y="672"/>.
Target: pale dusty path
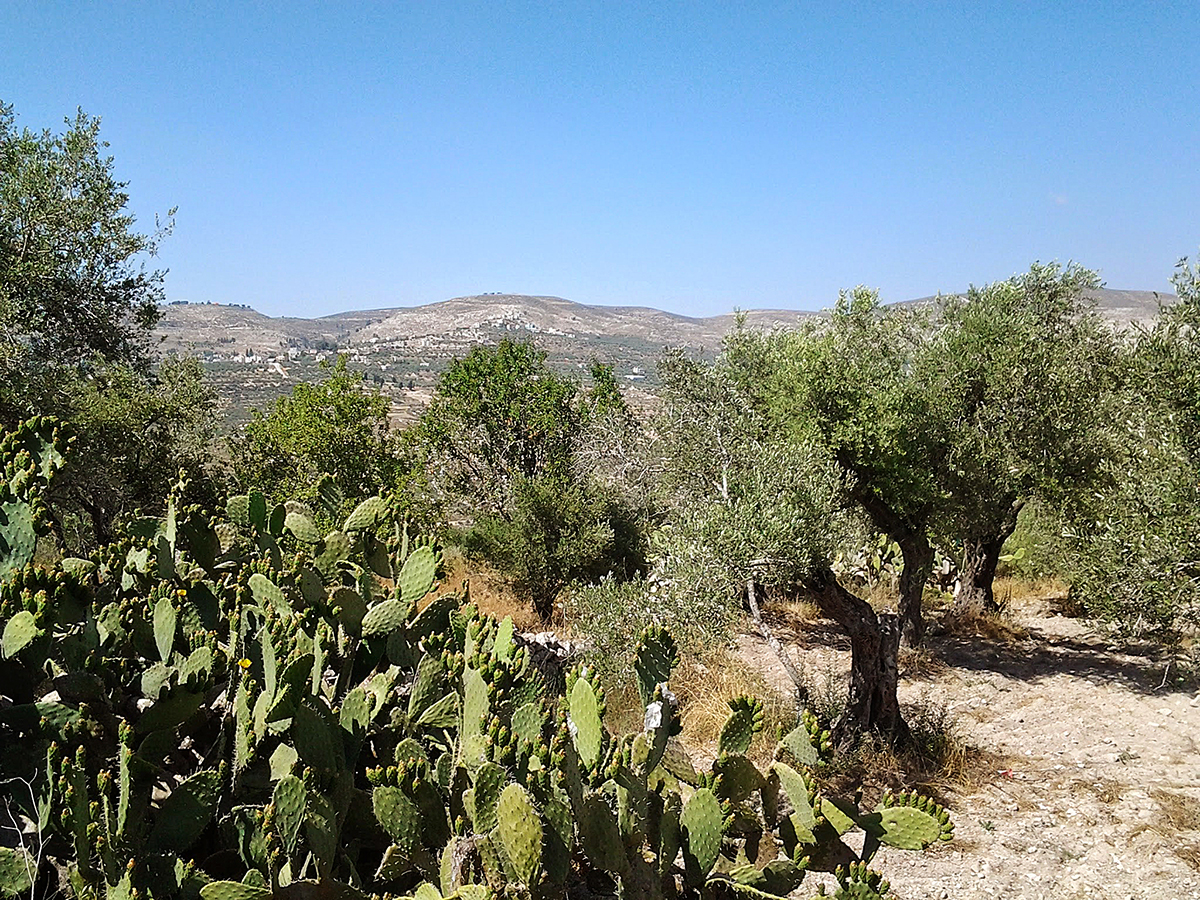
<point x="1101" y="787"/>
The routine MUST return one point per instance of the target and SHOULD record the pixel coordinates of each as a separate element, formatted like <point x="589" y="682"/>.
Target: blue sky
<point x="689" y="156"/>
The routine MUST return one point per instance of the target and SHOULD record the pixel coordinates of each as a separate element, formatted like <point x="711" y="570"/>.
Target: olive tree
<point x="947" y="421"/>
<point x="1131" y="552"/>
<point x="79" y="300"/>
<point x="752" y="505"/>
<point x="845" y="383"/>
<point x="1020" y="377"/>
<point x="74" y="285"/>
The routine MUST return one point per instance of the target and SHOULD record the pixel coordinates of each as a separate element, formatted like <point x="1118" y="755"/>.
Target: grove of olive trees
<point x="231" y="666"/>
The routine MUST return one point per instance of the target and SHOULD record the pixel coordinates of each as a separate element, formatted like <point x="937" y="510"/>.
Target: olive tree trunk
<point x="918" y="566"/>
<point x="871" y="703"/>
<point x="981" y="556"/>
<point x="911" y="535"/>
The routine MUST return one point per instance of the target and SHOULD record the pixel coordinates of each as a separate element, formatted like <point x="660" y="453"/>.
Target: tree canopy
<point x="74" y="285"/>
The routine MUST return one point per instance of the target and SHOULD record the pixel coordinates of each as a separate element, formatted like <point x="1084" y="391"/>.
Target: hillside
<point x="253" y="358"/>
<point x="213" y="327"/>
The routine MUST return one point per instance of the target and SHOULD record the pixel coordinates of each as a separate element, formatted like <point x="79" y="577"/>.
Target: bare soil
<point x="1086" y="776"/>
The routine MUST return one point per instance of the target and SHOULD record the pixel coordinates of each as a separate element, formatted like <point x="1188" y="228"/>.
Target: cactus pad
<point x="587" y="729"/>
<point x="385" y="617"/>
<point x="164" y="628"/>
<point x="418" y="573"/>
<point x="489" y="782"/>
<point x="266" y="592"/>
<point x="16" y="872"/>
<point x="233" y="890"/>
<point x="367" y="514"/>
<point x="302" y="528"/>
<point x="19" y="632"/>
<point x="657" y="655"/>
<point x="186" y="812"/>
<point x="519" y="831"/>
<point x="745" y="720"/>
<point x="702" y="823"/>
<point x="600" y="836"/>
<point x="399" y="817"/>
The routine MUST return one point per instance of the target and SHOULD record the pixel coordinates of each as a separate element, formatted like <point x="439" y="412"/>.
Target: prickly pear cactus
<point x="229" y="688"/>
<point x="29" y="457"/>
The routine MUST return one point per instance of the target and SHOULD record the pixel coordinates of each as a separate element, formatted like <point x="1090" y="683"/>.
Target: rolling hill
<point x="253" y="358"/>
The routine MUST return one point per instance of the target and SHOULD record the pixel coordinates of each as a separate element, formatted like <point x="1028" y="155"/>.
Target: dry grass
<point x="1025" y="592"/>
<point x="794" y="613"/>
<point x="919" y="662"/>
<point x="1180" y="812"/>
<point x="938" y="762"/>
<point x="1107" y="790"/>
<point x="1190" y="854"/>
<point x="704" y="688"/>
<point x="488" y="590"/>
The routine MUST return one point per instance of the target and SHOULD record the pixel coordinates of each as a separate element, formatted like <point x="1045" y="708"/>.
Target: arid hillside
<point x="253" y="358"/>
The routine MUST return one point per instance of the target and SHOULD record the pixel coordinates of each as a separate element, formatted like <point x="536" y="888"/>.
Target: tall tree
<point x="1021" y="375"/>
<point x="500" y="445"/>
<point x="1131" y="552"/>
<point x="74" y="287"/>
<point x="78" y="304"/>
<point x="845" y="383"/>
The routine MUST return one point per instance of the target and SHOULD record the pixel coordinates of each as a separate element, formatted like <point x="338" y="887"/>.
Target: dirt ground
<point x="1086" y="779"/>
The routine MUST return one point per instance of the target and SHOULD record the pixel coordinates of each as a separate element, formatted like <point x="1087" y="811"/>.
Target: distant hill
<point x="252" y="358"/>
<point x="198" y="327"/>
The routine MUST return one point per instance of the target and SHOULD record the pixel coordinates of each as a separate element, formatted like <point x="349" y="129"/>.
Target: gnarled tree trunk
<point x="918" y="566"/>
<point x="871" y="704"/>
<point x="977" y="575"/>
<point x="910" y="533"/>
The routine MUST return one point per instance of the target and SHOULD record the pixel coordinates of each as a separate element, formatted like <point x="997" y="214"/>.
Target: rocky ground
<point x="1083" y="770"/>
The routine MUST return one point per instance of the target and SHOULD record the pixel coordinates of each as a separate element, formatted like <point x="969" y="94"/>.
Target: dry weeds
<point x="1180" y="812"/>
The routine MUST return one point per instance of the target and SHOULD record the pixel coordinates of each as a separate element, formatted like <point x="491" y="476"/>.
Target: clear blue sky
<point x="691" y="156"/>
